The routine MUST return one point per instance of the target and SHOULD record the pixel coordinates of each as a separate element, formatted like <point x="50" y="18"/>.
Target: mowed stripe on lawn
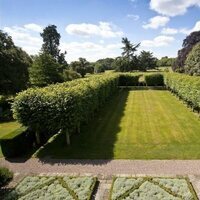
<point x="136" y="124"/>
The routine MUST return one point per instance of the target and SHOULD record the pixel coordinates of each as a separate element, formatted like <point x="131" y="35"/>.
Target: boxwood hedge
<point x="63" y="106"/>
<point x="129" y="79"/>
<point x="186" y="87"/>
<point x="154" y="79"/>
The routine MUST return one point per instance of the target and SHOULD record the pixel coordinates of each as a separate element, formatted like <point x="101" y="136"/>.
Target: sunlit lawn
<point x="141" y="124"/>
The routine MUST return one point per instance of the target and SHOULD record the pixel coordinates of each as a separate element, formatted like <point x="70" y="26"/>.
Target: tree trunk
<point x="67" y="137"/>
<point x="37" y="135"/>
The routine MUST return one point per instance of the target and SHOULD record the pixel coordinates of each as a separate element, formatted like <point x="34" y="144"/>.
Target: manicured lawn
<point x="141" y="124"/>
<point x="8" y="127"/>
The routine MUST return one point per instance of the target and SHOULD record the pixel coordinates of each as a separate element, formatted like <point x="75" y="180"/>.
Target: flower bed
<point x="53" y="187"/>
<point x="144" y="188"/>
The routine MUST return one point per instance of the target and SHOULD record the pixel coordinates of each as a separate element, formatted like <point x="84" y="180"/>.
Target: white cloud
<point x="34" y="27"/>
<point x="156" y="22"/>
<point x="188" y="31"/>
<point x="29" y="41"/>
<point x="133" y="17"/>
<point x="169" y="31"/>
<point x="158" y="41"/>
<point x="172" y="7"/>
<point x="103" y="29"/>
<point x="90" y="50"/>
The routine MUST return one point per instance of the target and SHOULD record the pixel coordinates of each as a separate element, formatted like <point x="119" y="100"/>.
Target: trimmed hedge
<point x="5" y="176"/>
<point x="129" y="79"/>
<point x="185" y="86"/>
<point x="17" y="142"/>
<point x="63" y="106"/>
<point x="154" y="79"/>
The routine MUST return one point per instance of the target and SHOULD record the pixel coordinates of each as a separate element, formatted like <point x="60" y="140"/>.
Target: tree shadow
<point x="96" y="143"/>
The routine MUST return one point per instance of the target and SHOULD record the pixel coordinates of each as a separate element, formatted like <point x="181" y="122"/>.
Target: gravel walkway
<point x="105" y="167"/>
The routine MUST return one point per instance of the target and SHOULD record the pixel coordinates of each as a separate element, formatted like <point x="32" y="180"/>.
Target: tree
<point x="80" y="66"/>
<point x="44" y="71"/>
<point x="106" y="62"/>
<point x="69" y="75"/>
<point x="129" y="49"/>
<point x="166" y="62"/>
<point x="121" y="64"/>
<point x="192" y="64"/>
<point x="128" y="54"/>
<point x="146" y="61"/>
<point x="14" y="64"/>
<point x="99" y="68"/>
<point x="51" y="42"/>
<point x="188" y="44"/>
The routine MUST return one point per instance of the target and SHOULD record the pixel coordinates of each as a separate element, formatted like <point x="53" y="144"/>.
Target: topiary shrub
<point x="154" y="80"/>
<point x="17" y="143"/>
<point x="5" y="176"/>
<point x="128" y="79"/>
<point x="192" y="64"/>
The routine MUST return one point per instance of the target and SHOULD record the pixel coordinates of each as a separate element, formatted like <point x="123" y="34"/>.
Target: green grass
<point x="140" y="124"/>
<point x="8" y="127"/>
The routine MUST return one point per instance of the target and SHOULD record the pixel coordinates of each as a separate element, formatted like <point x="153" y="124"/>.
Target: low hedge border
<point x="17" y="142"/>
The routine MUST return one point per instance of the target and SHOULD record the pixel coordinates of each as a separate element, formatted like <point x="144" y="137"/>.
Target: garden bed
<point x="53" y="187"/>
<point x="141" y="188"/>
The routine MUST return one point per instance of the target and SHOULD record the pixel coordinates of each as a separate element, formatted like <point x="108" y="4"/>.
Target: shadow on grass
<point x="96" y="140"/>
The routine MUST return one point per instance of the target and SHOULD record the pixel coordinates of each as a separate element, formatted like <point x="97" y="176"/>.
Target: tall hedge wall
<point x="185" y="86"/>
<point x="63" y="106"/>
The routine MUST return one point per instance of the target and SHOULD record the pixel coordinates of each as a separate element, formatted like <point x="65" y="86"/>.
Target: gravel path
<point x="104" y="167"/>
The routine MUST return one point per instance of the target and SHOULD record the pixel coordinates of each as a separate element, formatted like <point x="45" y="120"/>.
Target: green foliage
<point x="82" y="66"/>
<point x="14" y="63"/>
<point x="5" y="176"/>
<point x="188" y="43"/>
<point x="146" y="61"/>
<point x="192" y="64"/>
<point x="5" y="108"/>
<point x="106" y="62"/>
<point x="122" y="65"/>
<point x="51" y="42"/>
<point x="165" y="62"/>
<point x="154" y="79"/>
<point x="69" y="75"/>
<point x="129" y="79"/>
<point x="56" y="187"/>
<point x="63" y="106"/>
<point x="17" y="142"/>
<point x="44" y="71"/>
<point x="99" y="68"/>
<point x="186" y="87"/>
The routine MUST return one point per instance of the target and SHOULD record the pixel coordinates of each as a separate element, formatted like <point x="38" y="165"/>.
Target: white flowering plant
<point x="145" y="188"/>
<point x="53" y="188"/>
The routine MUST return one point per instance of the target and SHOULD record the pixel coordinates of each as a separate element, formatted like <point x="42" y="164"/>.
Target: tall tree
<point x="188" y="43"/>
<point x="51" y="42"/>
<point x="81" y="66"/>
<point x="129" y="49"/>
<point x="44" y="71"/>
<point x="146" y="61"/>
<point x="14" y="63"/>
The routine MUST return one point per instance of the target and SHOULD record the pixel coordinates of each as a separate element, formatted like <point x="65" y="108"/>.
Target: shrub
<point x="17" y="142"/>
<point x="128" y="79"/>
<point x="192" y="64"/>
<point x="5" y="176"/>
<point x="63" y="106"/>
<point x="69" y="75"/>
<point x="186" y="87"/>
<point x="154" y="80"/>
<point x="5" y="108"/>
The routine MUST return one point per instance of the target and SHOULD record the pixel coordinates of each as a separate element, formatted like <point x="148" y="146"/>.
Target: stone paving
<point x="106" y="169"/>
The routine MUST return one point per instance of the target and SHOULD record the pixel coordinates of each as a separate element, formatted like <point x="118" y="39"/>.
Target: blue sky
<point x="93" y="28"/>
